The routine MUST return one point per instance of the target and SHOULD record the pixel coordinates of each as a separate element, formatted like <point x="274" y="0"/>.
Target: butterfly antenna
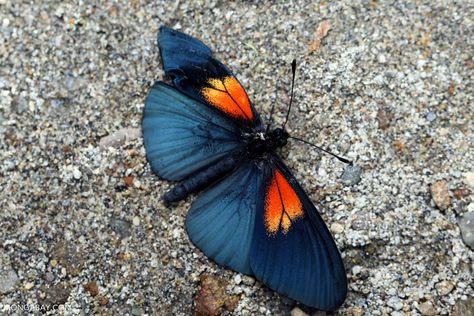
<point x="273" y="109"/>
<point x="293" y="71"/>
<point x="344" y="160"/>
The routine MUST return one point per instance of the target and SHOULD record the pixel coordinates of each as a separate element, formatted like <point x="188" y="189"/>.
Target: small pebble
<point x="356" y="311"/>
<point x="297" y="312"/>
<point x="384" y="117"/>
<point x="120" y="137"/>
<point x="136" y="221"/>
<point x="92" y="288"/>
<point x="104" y="300"/>
<point x="212" y="298"/>
<point x="176" y="233"/>
<point x="137" y="184"/>
<point x="137" y="311"/>
<point x="356" y="270"/>
<point x="337" y="228"/>
<point x="49" y="277"/>
<point x="466" y="225"/>
<point x="444" y="287"/>
<point x="351" y="175"/>
<point x="461" y="193"/>
<point x="237" y="279"/>
<point x="381" y="58"/>
<point x="427" y="309"/>
<point x="431" y="116"/>
<point x="8" y="280"/>
<point x="77" y="174"/>
<point x="469" y="179"/>
<point x="395" y="302"/>
<point x="71" y="259"/>
<point x="463" y="307"/>
<point x="121" y="227"/>
<point x="28" y="286"/>
<point x="440" y="194"/>
<point x="54" y="295"/>
<point x="248" y="280"/>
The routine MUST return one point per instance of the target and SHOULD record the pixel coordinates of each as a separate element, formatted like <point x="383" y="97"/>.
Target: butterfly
<point x="251" y="216"/>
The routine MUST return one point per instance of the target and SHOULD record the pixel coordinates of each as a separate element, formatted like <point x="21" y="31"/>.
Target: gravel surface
<point x="390" y="87"/>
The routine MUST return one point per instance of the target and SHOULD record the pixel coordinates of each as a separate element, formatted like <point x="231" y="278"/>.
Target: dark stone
<point x="121" y="227"/>
<point x="54" y="296"/>
<point x="351" y="175"/>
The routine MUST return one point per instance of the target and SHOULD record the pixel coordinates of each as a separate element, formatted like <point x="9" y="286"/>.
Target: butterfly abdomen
<point x="202" y="179"/>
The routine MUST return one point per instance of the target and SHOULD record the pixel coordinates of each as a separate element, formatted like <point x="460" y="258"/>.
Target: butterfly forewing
<point x="182" y="135"/>
<point x="196" y="73"/>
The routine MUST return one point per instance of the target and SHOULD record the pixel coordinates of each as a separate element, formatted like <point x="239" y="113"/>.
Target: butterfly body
<point x="251" y="214"/>
<point x="257" y="146"/>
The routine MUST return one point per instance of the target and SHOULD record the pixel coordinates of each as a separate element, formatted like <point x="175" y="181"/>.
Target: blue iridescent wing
<point x="293" y="251"/>
<point x="196" y="73"/>
<point x="183" y="135"/>
<point x="221" y="220"/>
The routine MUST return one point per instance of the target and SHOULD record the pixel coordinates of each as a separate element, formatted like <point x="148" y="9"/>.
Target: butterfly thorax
<point x="260" y="143"/>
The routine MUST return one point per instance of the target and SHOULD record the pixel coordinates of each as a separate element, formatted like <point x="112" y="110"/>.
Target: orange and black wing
<point x="196" y="73"/>
<point x="292" y="250"/>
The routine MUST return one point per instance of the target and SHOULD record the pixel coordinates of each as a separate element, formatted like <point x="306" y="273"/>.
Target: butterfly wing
<point x="197" y="74"/>
<point x="292" y="250"/>
<point x="221" y="220"/>
<point x="183" y="135"/>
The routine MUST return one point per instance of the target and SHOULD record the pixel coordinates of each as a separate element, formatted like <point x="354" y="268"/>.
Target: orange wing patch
<point x="282" y="205"/>
<point x="227" y="95"/>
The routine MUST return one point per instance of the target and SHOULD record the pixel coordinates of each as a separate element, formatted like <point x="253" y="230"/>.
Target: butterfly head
<point x="260" y="143"/>
<point x="278" y="137"/>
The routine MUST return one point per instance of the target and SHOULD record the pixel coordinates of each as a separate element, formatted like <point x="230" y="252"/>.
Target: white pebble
<point x="136" y="221"/>
<point x="237" y="279"/>
<point x="337" y="228"/>
<point x="76" y="173"/>
<point x="28" y="285"/>
<point x="395" y="303"/>
<point x="356" y="270"/>
<point x="469" y="178"/>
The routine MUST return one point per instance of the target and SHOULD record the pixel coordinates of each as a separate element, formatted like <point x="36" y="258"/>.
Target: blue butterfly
<point x="252" y="215"/>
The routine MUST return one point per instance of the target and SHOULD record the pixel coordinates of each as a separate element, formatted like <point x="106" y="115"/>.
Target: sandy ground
<point x="390" y="86"/>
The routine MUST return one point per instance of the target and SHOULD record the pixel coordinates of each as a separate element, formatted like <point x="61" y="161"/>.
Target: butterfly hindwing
<point x="183" y="135"/>
<point x="292" y="250"/>
<point x="196" y="73"/>
<point x="221" y="220"/>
